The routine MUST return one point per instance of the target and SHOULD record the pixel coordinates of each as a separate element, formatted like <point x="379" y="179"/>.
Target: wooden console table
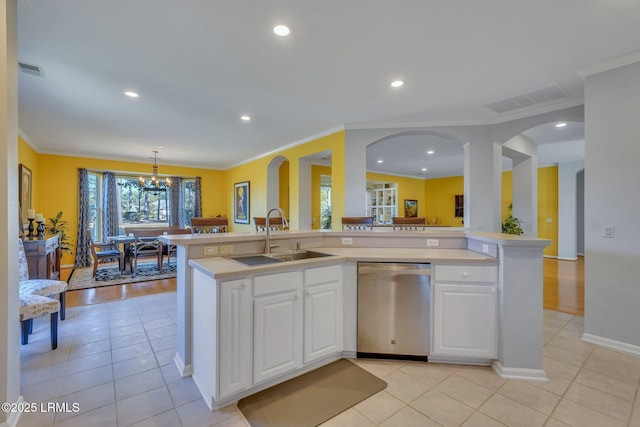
<point x="43" y="256"/>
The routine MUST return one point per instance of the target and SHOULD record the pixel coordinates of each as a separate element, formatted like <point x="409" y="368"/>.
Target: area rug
<point x="312" y="398"/>
<point x="109" y="274"/>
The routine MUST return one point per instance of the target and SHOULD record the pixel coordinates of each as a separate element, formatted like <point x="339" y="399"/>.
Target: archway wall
<point x="482" y="169"/>
<point x="483" y="162"/>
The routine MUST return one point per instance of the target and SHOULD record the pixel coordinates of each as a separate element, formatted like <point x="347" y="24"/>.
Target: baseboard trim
<point x="185" y="370"/>
<point x="520" y="373"/>
<point x="619" y="346"/>
<point x="567" y="258"/>
<point x="13" y="417"/>
<point x="550" y="256"/>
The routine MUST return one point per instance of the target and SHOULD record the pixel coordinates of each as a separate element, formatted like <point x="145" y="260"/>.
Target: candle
<point x="39" y="217"/>
<point x="31" y="213"/>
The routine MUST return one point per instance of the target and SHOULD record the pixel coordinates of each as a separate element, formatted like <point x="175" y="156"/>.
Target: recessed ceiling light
<point x="160" y="146"/>
<point x="423" y="169"/>
<point x="379" y="161"/>
<point x="560" y="125"/>
<point x="430" y="152"/>
<point x="132" y="94"/>
<point x="397" y="83"/>
<point x="245" y="118"/>
<point x="282" y="30"/>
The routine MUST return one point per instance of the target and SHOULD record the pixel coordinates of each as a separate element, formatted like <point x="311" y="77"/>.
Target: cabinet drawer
<point x="465" y="273"/>
<point x="317" y="275"/>
<point x="273" y="283"/>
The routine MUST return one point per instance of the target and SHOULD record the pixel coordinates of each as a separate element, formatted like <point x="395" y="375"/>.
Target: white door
<point x="322" y="321"/>
<point x="235" y="337"/>
<point x="277" y="346"/>
<point x="465" y="321"/>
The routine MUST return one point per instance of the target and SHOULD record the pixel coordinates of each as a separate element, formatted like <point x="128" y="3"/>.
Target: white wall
<point x="612" y="174"/>
<point x="9" y="314"/>
<point x="568" y="209"/>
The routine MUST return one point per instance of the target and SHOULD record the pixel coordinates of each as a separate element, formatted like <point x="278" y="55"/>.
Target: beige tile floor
<point x="115" y="361"/>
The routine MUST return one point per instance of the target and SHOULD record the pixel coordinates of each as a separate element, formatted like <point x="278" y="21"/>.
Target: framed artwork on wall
<point x="25" y="179"/>
<point x="410" y="208"/>
<point x="241" y="202"/>
<point x="459" y="206"/>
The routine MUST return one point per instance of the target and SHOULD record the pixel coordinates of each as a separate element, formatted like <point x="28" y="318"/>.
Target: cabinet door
<point x="322" y="320"/>
<point x="277" y="334"/>
<point x="465" y="321"/>
<point x="235" y="336"/>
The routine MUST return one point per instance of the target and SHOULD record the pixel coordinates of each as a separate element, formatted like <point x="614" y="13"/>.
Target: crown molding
<point x="611" y="64"/>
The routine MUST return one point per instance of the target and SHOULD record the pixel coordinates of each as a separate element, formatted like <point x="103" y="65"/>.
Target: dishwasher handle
<point x="381" y="271"/>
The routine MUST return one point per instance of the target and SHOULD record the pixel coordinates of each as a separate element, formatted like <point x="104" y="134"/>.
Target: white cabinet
<point x="382" y="201"/>
<point x="235" y="336"/>
<point x="277" y="322"/>
<point x="465" y="312"/>
<point x="322" y="312"/>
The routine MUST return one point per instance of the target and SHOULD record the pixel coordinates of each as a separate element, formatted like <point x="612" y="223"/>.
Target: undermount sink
<point x="261" y="259"/>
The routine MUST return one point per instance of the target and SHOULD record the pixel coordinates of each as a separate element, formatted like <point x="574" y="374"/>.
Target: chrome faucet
<point x="267" y="244"/>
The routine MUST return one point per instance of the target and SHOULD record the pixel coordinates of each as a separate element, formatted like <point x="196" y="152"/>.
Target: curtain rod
<point x="136" y="173"/>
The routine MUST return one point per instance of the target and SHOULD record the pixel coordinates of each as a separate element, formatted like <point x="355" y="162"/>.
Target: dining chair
<point x="275" y="223"/>
<point x="104" y="252"/>
<point x="146" y="244"/>
<point x="168" y="249"/>
<point x="42" y="287"/>
<point x="412" y="223"/>
<point x="32" y="306"/>
<point x="357" y="223"/>
<point x="209" y="225"/>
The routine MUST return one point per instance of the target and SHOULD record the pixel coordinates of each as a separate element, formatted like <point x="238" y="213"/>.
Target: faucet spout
<point x="267" y="244"/>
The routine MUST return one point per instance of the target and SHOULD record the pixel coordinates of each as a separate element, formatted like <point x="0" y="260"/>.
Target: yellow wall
<point x="548" y="207"/>
<point x="56" y="180"/>
<point x="440" y="200"/>
<point x="283" y="174"/>
<point x="408" y="188"/>
<point x="256" y="173"/>
<point x="28" y="157"/>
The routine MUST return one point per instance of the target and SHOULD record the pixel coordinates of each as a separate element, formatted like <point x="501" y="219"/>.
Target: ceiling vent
<point x="547" y="94"/>
<point x="30" y="69"/>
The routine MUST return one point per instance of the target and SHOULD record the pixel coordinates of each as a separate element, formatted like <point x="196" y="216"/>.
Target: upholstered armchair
<point x="42" y="287"/>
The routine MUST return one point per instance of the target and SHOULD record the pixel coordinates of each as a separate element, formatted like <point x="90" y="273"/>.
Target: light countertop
<point x="221" y="268"/>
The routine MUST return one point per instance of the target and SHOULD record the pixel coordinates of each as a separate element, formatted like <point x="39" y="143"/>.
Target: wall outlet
<point x="347" y="241"/>
<point x="433" y="242"/>
<point x="227" y="249"/>
<point x="210" y="250"/>
<point x="485" y="248"/>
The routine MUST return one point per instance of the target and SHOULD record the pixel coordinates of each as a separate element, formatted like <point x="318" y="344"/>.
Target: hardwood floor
<point x="563" y="288"/>
<point x="564" y="285"/>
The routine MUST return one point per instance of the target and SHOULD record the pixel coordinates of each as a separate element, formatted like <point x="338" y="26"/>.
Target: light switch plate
<point x="609" y="231"/>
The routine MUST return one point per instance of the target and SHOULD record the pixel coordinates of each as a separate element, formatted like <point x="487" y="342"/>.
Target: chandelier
<point x="155" y="185"/>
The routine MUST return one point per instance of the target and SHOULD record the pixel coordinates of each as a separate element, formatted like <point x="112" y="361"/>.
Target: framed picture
<point x="459" y="206"/>
<point x="241" y="202"/>
<point x="25" y="180"/>
<point x="410" y="208"/>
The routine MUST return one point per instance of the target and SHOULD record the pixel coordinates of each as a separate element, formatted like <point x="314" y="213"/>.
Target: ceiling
<point x="198" y="65"/>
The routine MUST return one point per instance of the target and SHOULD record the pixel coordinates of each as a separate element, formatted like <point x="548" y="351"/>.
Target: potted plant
<point x="58" y="226"/>
<point x="511" y="224"/>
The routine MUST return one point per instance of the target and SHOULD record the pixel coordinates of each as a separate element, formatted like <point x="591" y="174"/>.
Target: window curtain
<point x="176" y="203"/>
<point x="110" y="217"/>
<point x="197" y="209"/>
<point x="83" y="253"/>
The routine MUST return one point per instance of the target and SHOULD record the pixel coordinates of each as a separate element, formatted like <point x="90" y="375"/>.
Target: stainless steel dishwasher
<point x="394" y="304"/>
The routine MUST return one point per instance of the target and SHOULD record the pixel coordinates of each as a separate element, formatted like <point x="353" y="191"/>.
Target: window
<point x="141" y="207"/>
<point x="135" y="206"/>
<point x="94" y="205"/>
<point x="325" y="202"/>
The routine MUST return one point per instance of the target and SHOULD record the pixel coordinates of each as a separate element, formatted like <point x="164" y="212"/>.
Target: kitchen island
<point x="244" y="328"/>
